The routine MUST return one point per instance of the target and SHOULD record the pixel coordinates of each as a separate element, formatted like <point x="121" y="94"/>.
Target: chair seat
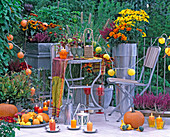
<point x="124" y="81"/>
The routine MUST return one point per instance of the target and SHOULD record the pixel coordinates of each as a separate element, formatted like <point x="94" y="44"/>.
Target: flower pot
<point x="38" y="55"/>
<point x="125" y="57"/>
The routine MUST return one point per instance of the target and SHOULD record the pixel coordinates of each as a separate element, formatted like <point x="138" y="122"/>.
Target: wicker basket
<point x="88" y="50"/>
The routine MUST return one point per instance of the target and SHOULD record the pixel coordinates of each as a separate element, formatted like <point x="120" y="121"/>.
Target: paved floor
<point x="105" y="129"/>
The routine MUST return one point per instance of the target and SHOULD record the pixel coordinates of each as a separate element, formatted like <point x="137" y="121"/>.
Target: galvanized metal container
<point x="125" y="57"/>
<point x="38" y="55"/>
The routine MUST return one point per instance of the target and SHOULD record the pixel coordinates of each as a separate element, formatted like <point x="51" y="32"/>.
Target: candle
<point x="63" y="54"/>
<point x="36" y="108"/>
<point x="89" y="126"/>
<point x="63" y="50"/>
<point x="159" y="119"/>
<point x="151" y="120"/>
<point x="48" y="103"/>
<point x="45" y="103"/>
<point x="40" y="110"/>
<point x="73" y="123"/>
<point x="151" y="117"/>
<point x="159" y="122"/>
<point x="52" y="124"/>
<point x="45" y="108"/>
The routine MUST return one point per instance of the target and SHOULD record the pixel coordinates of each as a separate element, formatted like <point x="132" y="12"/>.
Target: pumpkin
<point x="134" y="118"/>
<point x="45" y="117"/>
<point x="36" y="122"/>
<point x="8" y="110"/>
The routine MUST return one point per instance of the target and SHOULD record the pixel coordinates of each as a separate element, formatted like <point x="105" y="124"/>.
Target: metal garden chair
<point x="150" y="61"/>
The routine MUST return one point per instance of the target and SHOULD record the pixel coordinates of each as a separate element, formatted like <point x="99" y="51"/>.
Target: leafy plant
<point x="7" y="129"/>
<point x="9" y="16"/>
<point x="16" y="89"/>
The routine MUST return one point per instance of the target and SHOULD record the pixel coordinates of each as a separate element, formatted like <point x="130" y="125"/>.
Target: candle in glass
<point x="45" y="104"/>
<point x="36" y="108"/>
<point x="73" y="123"/>
<point x="52" y="124"/>
<point x="45" y="109"/>
<point x="159" y="122"/>
<point x="40" y="110"/>
<point x="89" y="126"/>
<point x="63" y="54"/>
<point x="151" y="121"/>
<point x="48" y="103"/>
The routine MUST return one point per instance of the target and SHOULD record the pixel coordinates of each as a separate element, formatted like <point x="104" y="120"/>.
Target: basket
<point x="88" y="50"/>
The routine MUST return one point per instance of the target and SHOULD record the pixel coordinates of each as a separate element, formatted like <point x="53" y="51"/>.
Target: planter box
<point x="38" y="55"/>
<point x="147" y="113"/>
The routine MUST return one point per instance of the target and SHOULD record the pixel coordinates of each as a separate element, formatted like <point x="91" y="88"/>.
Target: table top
<point x="84" y="60"/>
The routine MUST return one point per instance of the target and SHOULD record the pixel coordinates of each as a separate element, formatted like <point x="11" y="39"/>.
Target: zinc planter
<point x="38" y="55"/>
<point x="124" y="57"/>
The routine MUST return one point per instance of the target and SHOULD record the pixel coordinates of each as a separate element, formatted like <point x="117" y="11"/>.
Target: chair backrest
<point x="151" y="57"/>
<point x="150" y="61"/>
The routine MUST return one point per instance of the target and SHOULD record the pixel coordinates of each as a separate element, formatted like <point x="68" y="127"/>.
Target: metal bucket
<point x="68" y="114"/>
<point x="125" y="57"/>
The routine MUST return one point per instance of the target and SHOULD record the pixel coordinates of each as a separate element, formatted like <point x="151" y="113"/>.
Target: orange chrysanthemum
<point x="115" y="36"/>
<point x="128" y="29"/>
<point x="139" y="30"/>
<point x="116" y="30"/>
<point x="111" y="33"/>
<point x="50" y="32"/>
<point x="119" y="34"/>
<point x="122" y="28"/>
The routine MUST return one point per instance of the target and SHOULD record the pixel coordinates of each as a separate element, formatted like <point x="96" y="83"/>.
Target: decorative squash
<point x="124" y="127"/>
<point x="45" y="117"/>
<point x="8" y="110"/>
<point x="134" y="118"/>
<point x="26" y="117"/>
<point x="40" y="118"/>
<point x="141" y="129"/>
<point x="36" y="122"/>
<point x="129" y="127"/>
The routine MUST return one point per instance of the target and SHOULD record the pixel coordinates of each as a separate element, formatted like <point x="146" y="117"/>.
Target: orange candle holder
<point x="63" y="54"/>
<point x="160" y="124"/>
<point x="151" y="122"/>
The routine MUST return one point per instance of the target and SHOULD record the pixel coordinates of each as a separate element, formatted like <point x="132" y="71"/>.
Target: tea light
<point x="89" y="126"/>
<point x="73" y="123"/>
<point x="52" y="124"/>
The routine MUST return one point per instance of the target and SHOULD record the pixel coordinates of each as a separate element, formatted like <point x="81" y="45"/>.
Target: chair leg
<point x="117" y="106"/>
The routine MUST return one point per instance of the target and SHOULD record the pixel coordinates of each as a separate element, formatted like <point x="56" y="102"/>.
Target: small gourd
<point x="122" y="123"/>
<point x="22" y="123"/>
<point x="129" y="127"/>
<point x="31" y="119"/>
<point x="141" y="129"/>
<point x="28" y="123"/>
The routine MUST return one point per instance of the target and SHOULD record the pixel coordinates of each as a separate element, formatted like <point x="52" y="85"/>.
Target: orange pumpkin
<point x="8" y="110"/>
<point x="45" y="117"/>
<point x="134" y="118"/>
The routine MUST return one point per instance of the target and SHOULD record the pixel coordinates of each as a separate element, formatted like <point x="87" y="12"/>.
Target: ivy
<point x="9" y="15"/>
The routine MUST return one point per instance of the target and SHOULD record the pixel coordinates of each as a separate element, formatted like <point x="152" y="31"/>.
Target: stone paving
<point x="105" y="129"/>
